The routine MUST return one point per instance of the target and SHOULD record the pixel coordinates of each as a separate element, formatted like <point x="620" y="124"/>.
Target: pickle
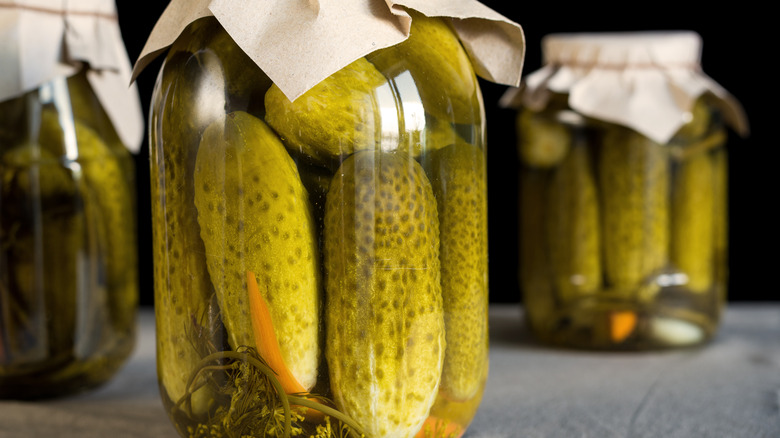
<point x="693" y="221"/>
<point x="108" y="182"/>
<point x="457" y="174"/>
<point x="534" y="264"/>
<point x="438" y="65"/>
<point x="721" y="217"/>
<point x="573" y="234"/>
<point x="541" y="142"/>
<point x="335" y="118"/>
<point x="634" y="182"/>
<point x="182" y="285"/>
<point x="254" y="215"/>
<point x="384" y="319"/>
<point x="32" y="179"/>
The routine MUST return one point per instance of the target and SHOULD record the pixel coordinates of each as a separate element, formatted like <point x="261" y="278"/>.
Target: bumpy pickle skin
<point x="439" y="65"/>
<point x="384" y="320"/>
<point x="693" y="221"/>
<point x="182" y="286"/>
<point x="336" y="117"/>
<point x="634" y="183"/>
<point x="573" y="228"/>
<point x="457" y="174"/>
<point x="107" y="181"/>
<point x="541" y="142"/>
<point x="254" y="215"/>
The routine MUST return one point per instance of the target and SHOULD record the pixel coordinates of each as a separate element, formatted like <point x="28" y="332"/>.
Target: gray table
<point x="730" y="388"/>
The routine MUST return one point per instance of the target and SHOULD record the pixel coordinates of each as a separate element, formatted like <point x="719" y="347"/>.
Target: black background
<point x="738" y="52"/>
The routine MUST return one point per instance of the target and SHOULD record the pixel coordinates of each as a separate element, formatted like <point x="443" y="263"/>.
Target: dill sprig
<point x="257" y="402"/>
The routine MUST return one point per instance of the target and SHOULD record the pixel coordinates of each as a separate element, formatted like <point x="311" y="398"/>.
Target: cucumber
<point x="384" y="319"/>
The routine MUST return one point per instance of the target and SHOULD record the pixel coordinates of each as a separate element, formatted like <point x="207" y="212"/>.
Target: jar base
<point x="68" y="376"/>
<point x="675" y="318"/>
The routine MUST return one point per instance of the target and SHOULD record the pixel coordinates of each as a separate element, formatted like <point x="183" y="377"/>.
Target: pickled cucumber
<point x="573" y="227"/>
<point x="634" y="183"/>
<point x="335" y="118"/>
<point x="721" y="218"/>
<point x="535" y="271"/>
<point x="107" y="180"/>
<point x="541" y="142"/>
<point x="693" y="221"/>
<point x="439" y="66"/>
<point x="254" y="215"/>
<point x="182" y="285"/>
<point x="384" y="319"/>
<point x="457" y="174"/>
<point x="32" y="179"/>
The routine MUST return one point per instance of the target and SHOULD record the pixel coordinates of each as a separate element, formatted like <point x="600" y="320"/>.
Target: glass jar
<point x="321" y="264"/>
<point x="68" y="259"/>
<point x="623" y="236"/>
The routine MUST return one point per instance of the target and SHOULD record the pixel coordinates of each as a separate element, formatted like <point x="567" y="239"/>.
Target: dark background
<point x="737" y="53"/>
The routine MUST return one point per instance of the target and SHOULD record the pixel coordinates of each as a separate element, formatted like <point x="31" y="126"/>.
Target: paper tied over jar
<point x="647" y="81"/>
<point x="41" y="40"/>
<point x="298" y="43"/>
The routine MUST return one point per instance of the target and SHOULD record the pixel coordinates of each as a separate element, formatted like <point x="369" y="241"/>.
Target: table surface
<point x="728" y="388"/>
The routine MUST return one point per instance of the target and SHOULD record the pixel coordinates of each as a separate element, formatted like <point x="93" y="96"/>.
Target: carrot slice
<point x="265" y="337"/>
<point x="435" y="427"/>
<point x="621" y="325"/>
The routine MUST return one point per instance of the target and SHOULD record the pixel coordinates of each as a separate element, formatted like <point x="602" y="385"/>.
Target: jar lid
<point x="298" y="44"/>
<point x="42" y="40"/>
<point x="647" y="81"/>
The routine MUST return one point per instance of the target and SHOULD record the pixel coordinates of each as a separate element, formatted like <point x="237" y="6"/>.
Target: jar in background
<point x="320" y="264"/>
<point x="68" y="257"/>
<point x="623" y="192"/>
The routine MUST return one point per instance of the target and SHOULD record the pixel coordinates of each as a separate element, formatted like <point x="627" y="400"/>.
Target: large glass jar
<point x="320" y="264"/>
<point x="68" y="275"/>
<point x="623" y="231"/>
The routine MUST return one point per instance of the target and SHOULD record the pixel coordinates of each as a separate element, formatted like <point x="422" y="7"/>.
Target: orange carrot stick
<point x="622" y="324"/>
<point x="265" y="337"/>
<point x="438" y="428"/>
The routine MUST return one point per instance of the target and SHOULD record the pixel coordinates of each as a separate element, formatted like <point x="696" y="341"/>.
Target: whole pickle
<point x="182" y="285"/>
<point x="254" y="215"/>
<point x="439" y="66"/>
<point x="721" y="217"/>
<point x="535" y="271"/>
<point x="33" y="181"/>
<point x="573" y="227"/>
<point x="107" y="180"/>
<point x="384" y="319"/>
<point x="541" y="142"/>
<point x="693" y="221"/>
<point x="634" y="182"/>
<point x="335" y="118"/>
<point x="457" y="174"/>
